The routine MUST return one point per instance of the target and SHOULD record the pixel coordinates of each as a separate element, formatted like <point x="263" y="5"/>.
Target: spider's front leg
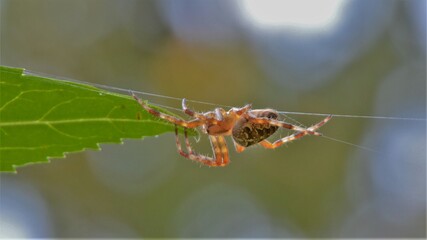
<point x="187" y="124"/>
<point x="220" y="158"/>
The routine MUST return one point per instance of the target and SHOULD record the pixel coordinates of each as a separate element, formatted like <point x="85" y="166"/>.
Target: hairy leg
<point x="295" y="136"/>
<point x="215" y="161"/>
<point x="280" y="142"/>
<point x="187" y="124"/>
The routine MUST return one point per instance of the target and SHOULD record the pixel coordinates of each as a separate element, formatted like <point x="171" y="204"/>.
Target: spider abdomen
<point x="246" y="133"/>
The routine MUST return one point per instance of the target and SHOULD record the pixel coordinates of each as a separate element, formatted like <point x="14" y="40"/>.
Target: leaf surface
<point x="43" y="118"/>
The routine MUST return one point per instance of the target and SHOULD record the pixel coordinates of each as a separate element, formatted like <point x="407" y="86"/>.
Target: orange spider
<point x="247" y="126"/>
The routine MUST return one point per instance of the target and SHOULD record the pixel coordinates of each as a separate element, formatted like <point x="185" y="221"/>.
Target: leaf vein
<point x="24" y="92"/>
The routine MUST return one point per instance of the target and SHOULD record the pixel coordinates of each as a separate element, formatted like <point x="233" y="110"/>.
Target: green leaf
<point x="42" y="118"/>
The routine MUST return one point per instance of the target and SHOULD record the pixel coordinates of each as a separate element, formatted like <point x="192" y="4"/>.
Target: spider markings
<point x="247" y="133"/>
<point x="247" y="126"/>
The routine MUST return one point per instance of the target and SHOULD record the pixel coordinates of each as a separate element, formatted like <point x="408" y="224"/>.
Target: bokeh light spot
<point x="301" y="14"/>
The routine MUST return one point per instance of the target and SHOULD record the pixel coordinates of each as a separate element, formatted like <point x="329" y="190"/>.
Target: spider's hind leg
<point x="319" y="124"/>
<point x="311" y="130"/>
<point x="267" y="144"/>
<point x="295" y="136"/>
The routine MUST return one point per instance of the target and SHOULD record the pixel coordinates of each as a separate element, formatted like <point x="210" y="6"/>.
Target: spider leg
<point x="218" y="114"/>
<point x="187" y="142"/>
<point x="278" y="143"/>
<point x="282" y="124"/>
<point x="239" y="148"/>
<point x="311" y="130"/>
<point x="224" y="151"/>
<point x="191" y="112"/>
<point x="217" y="151"/>
<point x="178" y="145"/>
<point x="295" y="136"/>
<point x="216" y="161"/>
<point x="187" y="124"/>
<point x="319" y="124"/>
<point x="243" y="110"/>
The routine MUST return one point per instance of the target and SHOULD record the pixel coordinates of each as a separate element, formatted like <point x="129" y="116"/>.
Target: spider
<point x="247" y="127"/>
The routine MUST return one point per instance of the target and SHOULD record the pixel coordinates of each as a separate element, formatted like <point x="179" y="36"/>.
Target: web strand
<point x="353" y="116"/>
<point x="123" y="90"/>
<point x="352" y="144"/>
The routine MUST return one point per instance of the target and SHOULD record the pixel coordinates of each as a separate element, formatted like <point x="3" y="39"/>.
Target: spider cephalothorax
<point x="247" y="126"/>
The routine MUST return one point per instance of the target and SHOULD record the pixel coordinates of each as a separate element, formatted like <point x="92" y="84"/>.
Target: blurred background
<point x="359" y="57"/>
